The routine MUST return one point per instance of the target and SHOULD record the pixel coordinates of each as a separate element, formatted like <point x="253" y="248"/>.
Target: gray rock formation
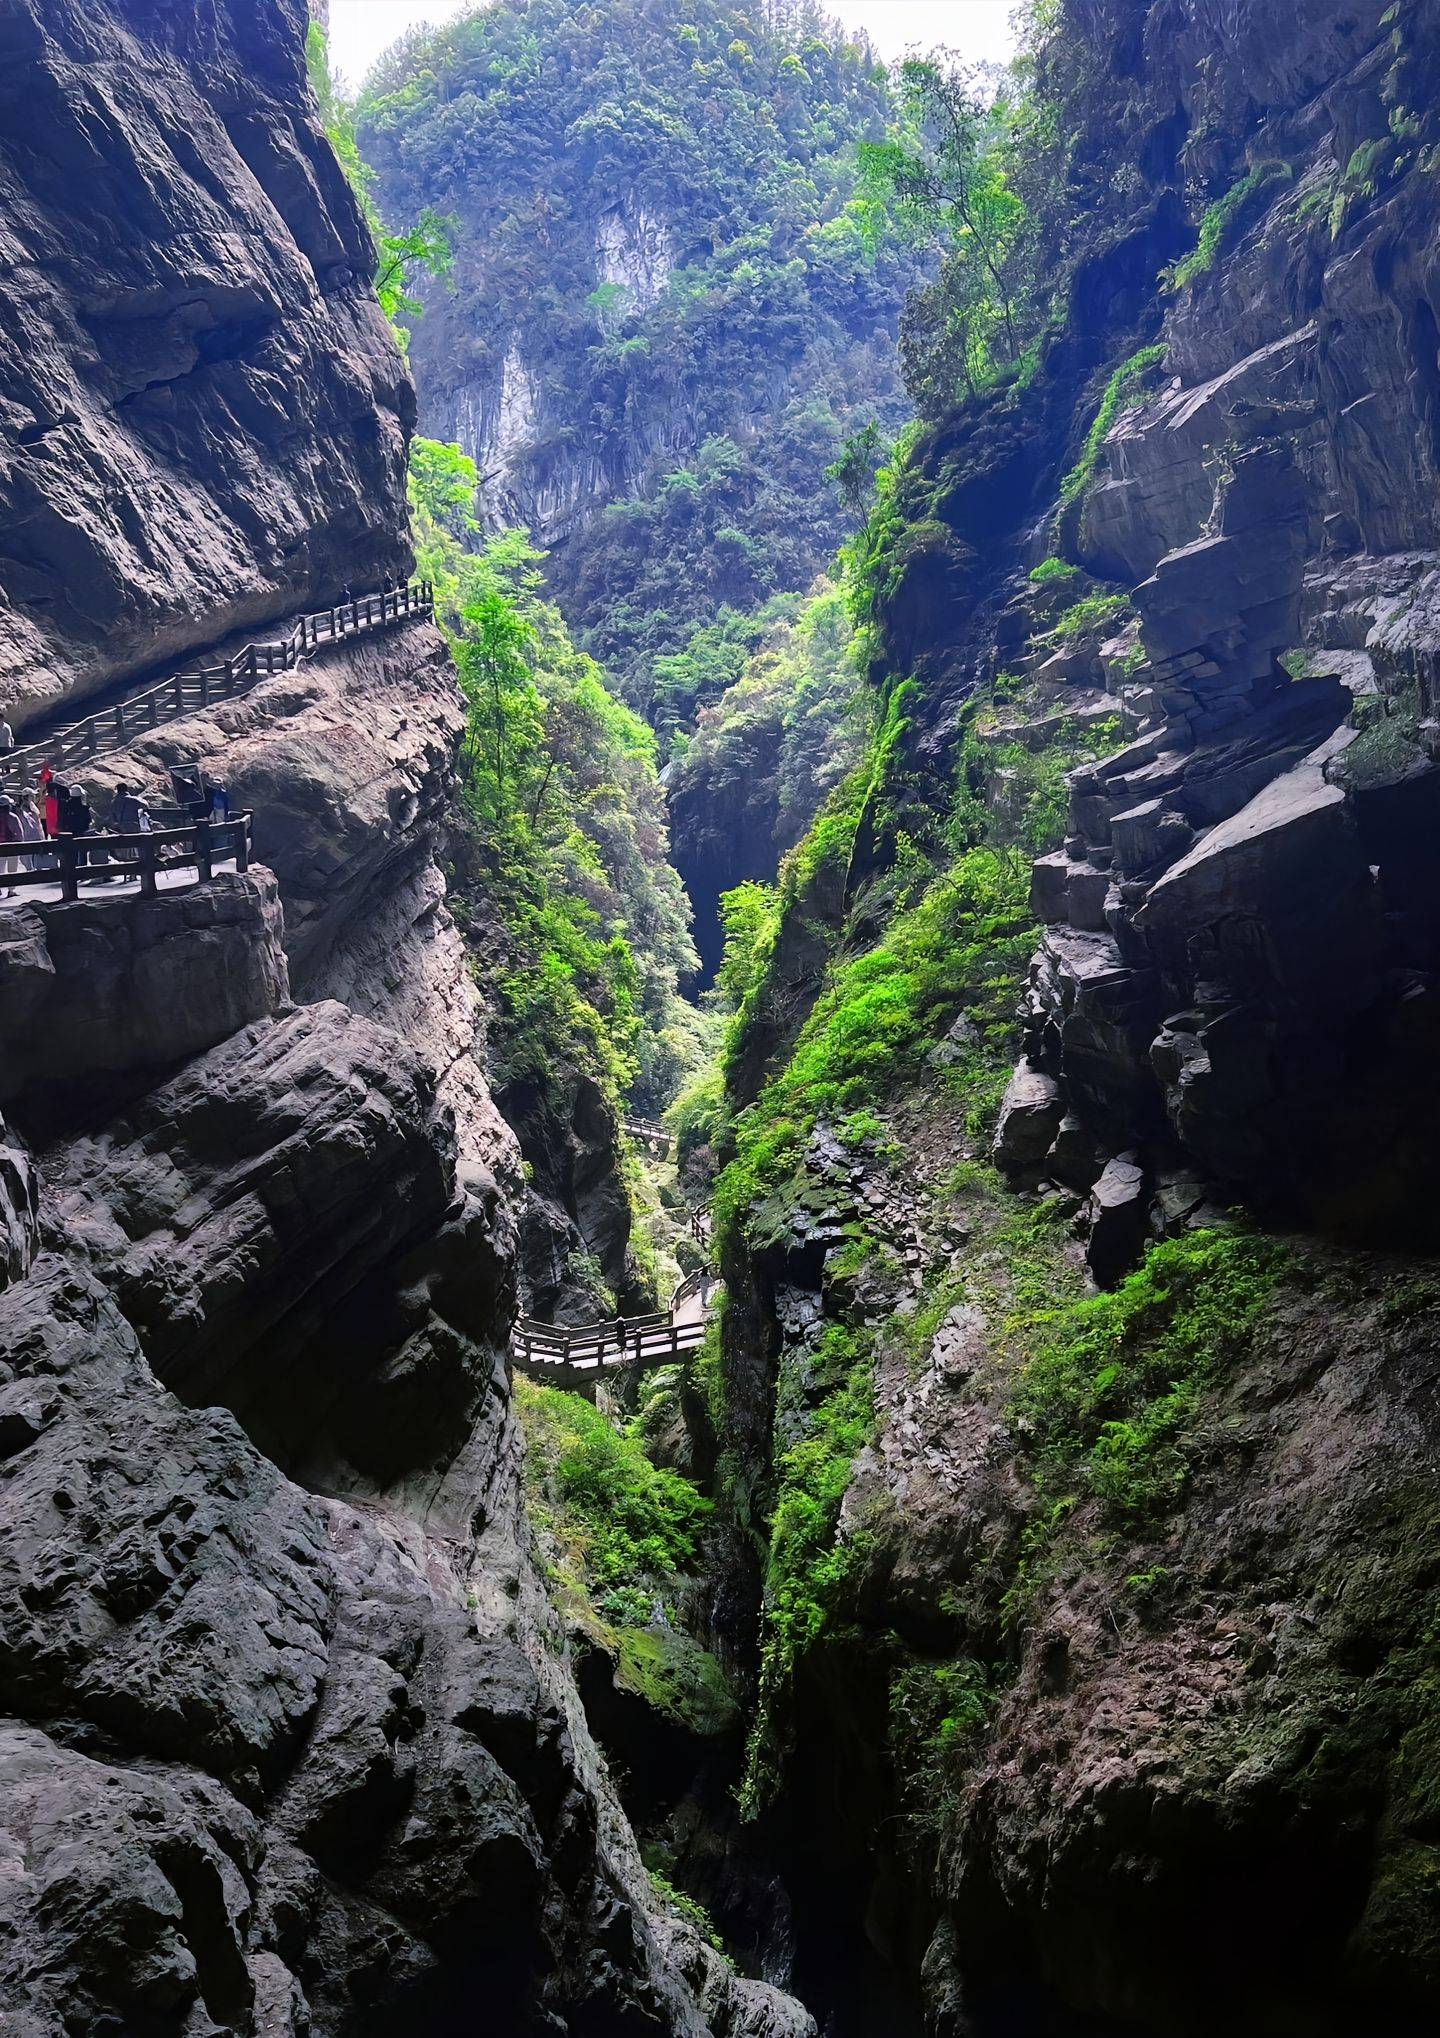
<point x="204" y="360"/>
<point x="358" y="1790"/>
<point x="291" y="1744"/>
<point x="113" y="986"/>
<point x="1243" y="944"/>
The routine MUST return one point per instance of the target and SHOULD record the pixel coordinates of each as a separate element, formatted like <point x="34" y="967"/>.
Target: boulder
<point x="307" y="1166"/>
<point x="1114" y="1220"/>
<point x="1029" y="1118"/>
<point x="1278" y="899"/>
<point x="113" y="987"/>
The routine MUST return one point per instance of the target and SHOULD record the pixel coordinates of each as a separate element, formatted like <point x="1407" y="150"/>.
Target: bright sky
<point x="978" y="29"/>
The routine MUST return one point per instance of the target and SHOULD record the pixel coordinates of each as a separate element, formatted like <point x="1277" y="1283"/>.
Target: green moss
<point x="1095" y="612"/>
<point x="1220" y="221"/>
<point x="807" y="1567"/>
<point x="963" y="947"/>
<point x="1388" y="743"/>
<point x="675" y="1676"/>
<point x="1125" y="387"/>
<point x="1051" y="571"/>
<point x="1111" y="1386"/>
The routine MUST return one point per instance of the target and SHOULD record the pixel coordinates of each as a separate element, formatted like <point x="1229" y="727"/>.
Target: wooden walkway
<point x="564" y="1357"/>
<point x="654" y="1138"/>
<point x="160" y="860"/>
<point x="97" y="733"/>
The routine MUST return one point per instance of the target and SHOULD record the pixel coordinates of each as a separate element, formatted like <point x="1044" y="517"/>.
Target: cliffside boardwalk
<point x="565" y="1357"/>
<point x="161" y="859"/>
<point x="102" y="730"/>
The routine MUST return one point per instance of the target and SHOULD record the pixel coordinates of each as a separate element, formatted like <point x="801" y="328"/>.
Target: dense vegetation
<point x="793" y="694"/>
<point x="562" y="861"/>
<point x="561" y="865"/>
<point x="661" y="226"/>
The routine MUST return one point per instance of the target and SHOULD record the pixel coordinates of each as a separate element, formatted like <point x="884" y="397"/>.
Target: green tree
<point x="947" y="180"/>
<point x="494" y="655"/>
<point x="854" y="472"/>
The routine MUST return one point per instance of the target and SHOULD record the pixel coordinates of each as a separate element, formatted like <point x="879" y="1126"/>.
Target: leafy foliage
<point x="424" y="249"/>
<point x="1221" y="220"/>
<point x="662" y="220"/>
<point x="946" y="180"/>
<point x="624" y="1527"/>
<point x="566" y="838"/>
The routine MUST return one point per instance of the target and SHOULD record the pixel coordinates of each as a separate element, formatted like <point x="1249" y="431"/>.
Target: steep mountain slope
<point x="237" y="379"/>
<point x="291" y="1740"/>
<point x="668" y="308"/>
<point x="1092" y="1635"/>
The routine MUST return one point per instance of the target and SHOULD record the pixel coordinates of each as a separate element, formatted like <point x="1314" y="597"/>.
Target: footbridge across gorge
<point x="69" y="741"/>
<point x="577" y="1358"/>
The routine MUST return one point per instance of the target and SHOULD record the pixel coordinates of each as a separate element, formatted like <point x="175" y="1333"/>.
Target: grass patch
<point x="963" y="947"/>
<point x="1220" y="221"/>
<point x="1125" y="388"/>
<point x="939" y="1713"/>
<point x="1110" y="1390"/>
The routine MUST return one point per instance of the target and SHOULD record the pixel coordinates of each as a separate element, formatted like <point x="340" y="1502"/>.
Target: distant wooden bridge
<point x="97" y="733"/>
<point x="565" y="1357"/>
<point x="654" y="1138"/>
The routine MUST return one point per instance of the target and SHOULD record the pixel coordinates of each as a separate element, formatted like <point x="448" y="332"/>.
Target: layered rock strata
<point x="1239" y="972"/>
<point x="291" y="1743"/>
<point x="205" y="416"/>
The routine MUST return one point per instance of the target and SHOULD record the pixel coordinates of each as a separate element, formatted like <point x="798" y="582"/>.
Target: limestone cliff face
<point x="290" y="1743"/>
<point x="1242" y="934"/>
<point x="1156" y="1735"/>
<point x="204" y="419"/>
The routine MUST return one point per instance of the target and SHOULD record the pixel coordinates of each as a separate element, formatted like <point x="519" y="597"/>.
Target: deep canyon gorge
<point x="718" y="1293"/>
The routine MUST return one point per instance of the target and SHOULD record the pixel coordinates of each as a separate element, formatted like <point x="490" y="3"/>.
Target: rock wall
<point x="1074" y="1756"/>
<point x="205" y="418"/>
<point x="114" y="987"/>
<point x="1239" y="970"/>
<point x="291" y="1743"/>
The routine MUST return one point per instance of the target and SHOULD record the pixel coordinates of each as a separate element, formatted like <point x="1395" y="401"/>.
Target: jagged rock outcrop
<point x="1131" y="1653"/>
<point x="1240" y="965"/>
<point x="113" y="986"/>
<point x="206" y="362"/>
<point x="291" y="1744"/>
<point x="359" y="1795"/>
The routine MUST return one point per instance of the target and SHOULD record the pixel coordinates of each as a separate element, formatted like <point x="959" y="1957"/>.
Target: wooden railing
<point x="75" y="860"/>
<point x="654" y="1138"/>
<point x="111" y="728"/>
<point x="579" y="1355"/>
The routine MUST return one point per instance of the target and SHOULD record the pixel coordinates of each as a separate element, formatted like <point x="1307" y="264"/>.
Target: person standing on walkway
<point x="10" y="831"/>
<point x="76" y="818"/>
<point x="129" y="815"/>
<point x="7" y="737"/>
<point x="50" y="800"/>
<point x="32" y="828"/>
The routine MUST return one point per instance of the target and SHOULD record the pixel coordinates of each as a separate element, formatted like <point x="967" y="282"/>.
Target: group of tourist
<point x="60" y="810"/>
